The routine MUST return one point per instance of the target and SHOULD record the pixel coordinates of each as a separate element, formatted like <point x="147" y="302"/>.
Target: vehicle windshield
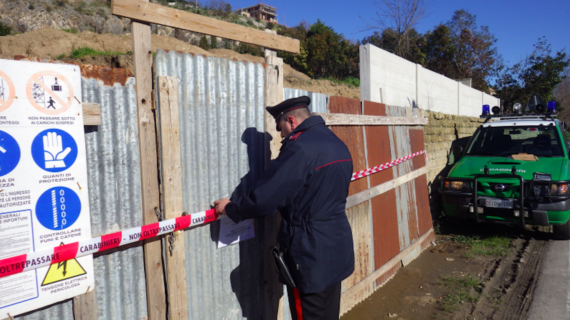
<point x="542" y="141"/>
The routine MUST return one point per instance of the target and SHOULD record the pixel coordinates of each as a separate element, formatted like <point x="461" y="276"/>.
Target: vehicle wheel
<point x="562" y="231"/>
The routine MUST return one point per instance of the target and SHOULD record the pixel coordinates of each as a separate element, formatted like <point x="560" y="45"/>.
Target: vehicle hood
<point x="468" y="166"/>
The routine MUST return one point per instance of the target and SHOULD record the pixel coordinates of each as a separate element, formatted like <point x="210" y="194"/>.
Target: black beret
<point x="288" y="105"/>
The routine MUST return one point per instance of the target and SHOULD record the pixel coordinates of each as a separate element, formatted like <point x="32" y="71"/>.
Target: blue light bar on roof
<point x="551" y="106"/>
<point x="486" y="110"/>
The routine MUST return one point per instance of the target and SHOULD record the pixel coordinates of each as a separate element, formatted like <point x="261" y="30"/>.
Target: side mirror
<point x="457" y="150"/>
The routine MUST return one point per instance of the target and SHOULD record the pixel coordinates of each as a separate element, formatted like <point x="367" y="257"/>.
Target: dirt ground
<point x="52" y="44"/>
<point x="449" y="281"/>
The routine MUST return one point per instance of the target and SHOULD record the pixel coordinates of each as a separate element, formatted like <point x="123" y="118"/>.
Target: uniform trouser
<point x="324" y="305"/>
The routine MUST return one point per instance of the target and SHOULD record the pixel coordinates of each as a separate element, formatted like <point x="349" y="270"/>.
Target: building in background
<point x="260" y="11"/>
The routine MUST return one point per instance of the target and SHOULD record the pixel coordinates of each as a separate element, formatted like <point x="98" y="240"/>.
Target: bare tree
<point x="562" y="95"/>
<point x="396" y="18"/>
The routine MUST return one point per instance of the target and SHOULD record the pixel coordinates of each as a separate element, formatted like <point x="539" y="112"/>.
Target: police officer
<point x="308" y="184"/>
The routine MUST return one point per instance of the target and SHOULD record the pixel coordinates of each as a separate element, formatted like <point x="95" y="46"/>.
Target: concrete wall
<point x="392" y="80"/>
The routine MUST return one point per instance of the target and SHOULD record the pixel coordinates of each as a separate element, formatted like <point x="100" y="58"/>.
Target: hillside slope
<point x="49" y="43"/>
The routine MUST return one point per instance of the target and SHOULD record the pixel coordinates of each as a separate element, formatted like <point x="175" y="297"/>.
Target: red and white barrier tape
<point x="369" y="171"/>
<point x="45" y="257"/>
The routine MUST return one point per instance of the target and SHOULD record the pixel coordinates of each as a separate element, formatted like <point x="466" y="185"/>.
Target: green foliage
<point x="460" y="290"/>
<point x="31" y="7"/>
<point x="204" y="43"/>
<point x="86" y="51"/>
<point x="61" y="3"/>
<point x="213" y="42"/>
<point x="491" y="246"/>
<point x="4" y="30"/>
<point x="245" y="48"/>
<point x="351" y="82"/>
<point x="539" y="73"/>
<point x="70" y="30"/>
<point x="228" y="44"/>
<point x="323" y="53"/>
<point x="83" y="8"/>
<point x="61" y="56"/>
<point x="49" y="8"/>
<point x="270" y="25"/>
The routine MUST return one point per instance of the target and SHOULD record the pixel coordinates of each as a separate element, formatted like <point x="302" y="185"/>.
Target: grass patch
<point x="567" y="135"/>
<point x="491" y="246"/>
<point x="460" y="290"/>
<point x="85" y="51"/>
<point x="61" y="56"/>
<point x="70" y="30"/>
<point x="351" y="82"/>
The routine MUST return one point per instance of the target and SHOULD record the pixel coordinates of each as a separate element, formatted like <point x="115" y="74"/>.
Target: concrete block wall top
<point x="390" y="79"/>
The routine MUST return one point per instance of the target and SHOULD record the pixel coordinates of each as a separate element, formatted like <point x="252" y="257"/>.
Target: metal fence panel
<point x="222" y="135"/>
<point x="113" y="166"/>
<point x="319" y="101"/>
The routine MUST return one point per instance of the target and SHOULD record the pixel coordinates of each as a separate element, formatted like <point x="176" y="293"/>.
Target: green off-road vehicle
<point x="514" y="169"/>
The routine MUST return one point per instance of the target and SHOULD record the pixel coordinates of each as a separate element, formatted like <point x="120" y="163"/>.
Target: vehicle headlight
<point x="457" y="185"/>
<point x="559" y="189"/>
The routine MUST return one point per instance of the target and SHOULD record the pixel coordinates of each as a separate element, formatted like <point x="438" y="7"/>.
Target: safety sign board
<point x="43" y="183"/>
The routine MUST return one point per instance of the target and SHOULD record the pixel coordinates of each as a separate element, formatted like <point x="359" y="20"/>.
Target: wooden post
<point x="273" y="291"/>
<point x="142" y="60"/>
<point x="85" y="306"/>
<point x="171" y="171"/>
<point x="273" y="96"/>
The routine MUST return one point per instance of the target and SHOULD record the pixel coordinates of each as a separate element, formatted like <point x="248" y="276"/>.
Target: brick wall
<point x="439" y="134"/>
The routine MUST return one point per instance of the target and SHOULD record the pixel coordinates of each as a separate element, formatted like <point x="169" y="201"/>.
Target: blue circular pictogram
<point x="9" y="153"/>
<point x="58" y="208"/>
<point x="54" y="150"/>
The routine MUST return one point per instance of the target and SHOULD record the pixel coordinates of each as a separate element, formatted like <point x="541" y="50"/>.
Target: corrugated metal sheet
<point x="405" y="203"/>
<point x="353" y="137"/>
<point x="359" y="219"/>
<point x="420" y="183"/>
<point x="113" y="166"/>
<point x="222" y="139"/>
<point x="319" y="101"/>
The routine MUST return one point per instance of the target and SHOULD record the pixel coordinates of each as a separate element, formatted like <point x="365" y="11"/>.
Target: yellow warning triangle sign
<point x="62" y="271"/>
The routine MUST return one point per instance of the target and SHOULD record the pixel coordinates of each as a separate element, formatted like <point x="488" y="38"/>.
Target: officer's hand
<point x="221" y="205"/>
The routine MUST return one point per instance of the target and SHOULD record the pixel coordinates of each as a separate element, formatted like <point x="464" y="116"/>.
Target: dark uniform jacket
<point x="308" y="184"/>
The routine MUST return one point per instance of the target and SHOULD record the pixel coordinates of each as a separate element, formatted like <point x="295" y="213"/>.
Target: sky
<point x="517" y="24"/>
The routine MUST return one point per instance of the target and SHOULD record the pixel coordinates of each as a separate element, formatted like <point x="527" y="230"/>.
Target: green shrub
<point x="70" y="30"/>
<point x="61" y="56"/>
<point x="4" y="30"/>
<point x="270" y="25"/>
<point x="204" y="43"/>
<point x="31" y="7"/>
<point x="85" y="51"/>
<point x="245" y="48"/>
<point x="213" y="42"/>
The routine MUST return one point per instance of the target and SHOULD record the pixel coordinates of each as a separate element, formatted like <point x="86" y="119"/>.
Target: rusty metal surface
<point x="405" y="202"/>
<point x="359" y="220"/>
<point x="378" y="144"/>
<point x="420" y="183"/>
<point x="107" y="75"/>
<point x="387" y="275"/>
<point x="422" y="204"/>
<point x="353" y="137"/>
<point x="417" y="144"/>
<point x="385" y="226"/>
